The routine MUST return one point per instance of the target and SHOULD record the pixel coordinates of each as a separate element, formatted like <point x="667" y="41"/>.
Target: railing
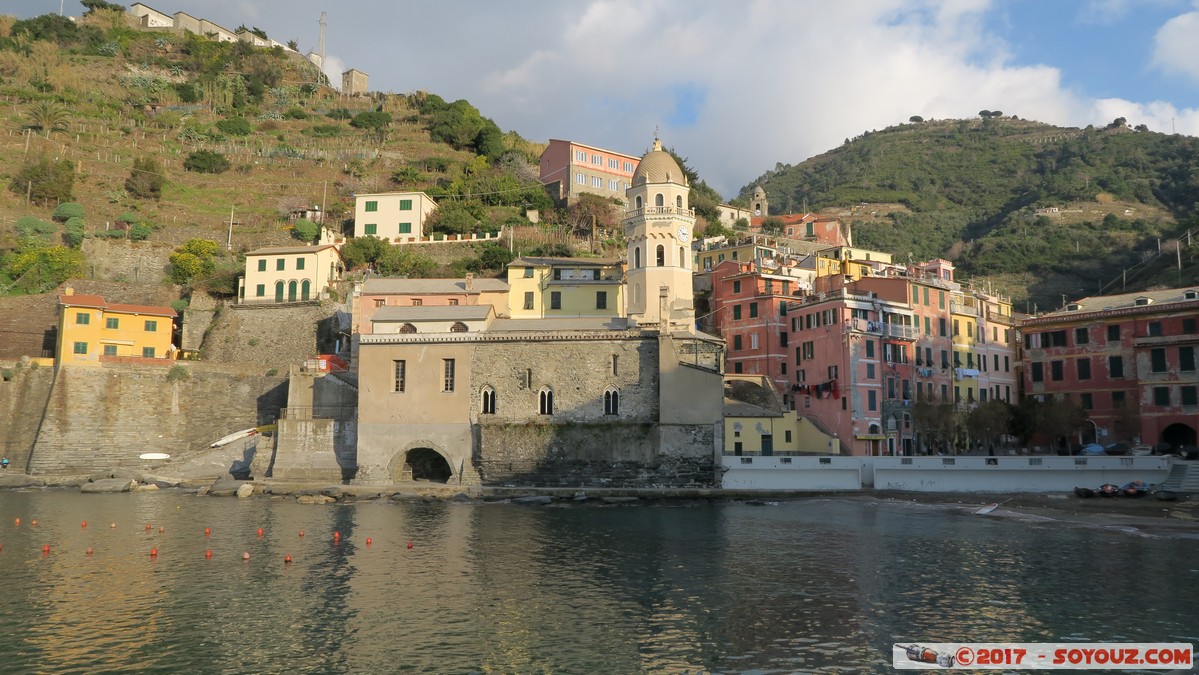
<point x="658" y="211"/>
<point x="885" y="329"/>
<point x="319" y="412"/>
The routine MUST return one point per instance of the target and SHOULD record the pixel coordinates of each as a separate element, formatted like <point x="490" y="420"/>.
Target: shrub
<point x="145" y="181"/>
<point x="339" y="114"/>
<point x="140" y="232"/>
<point x="374" y="121"/>
<point x="179" y="305"/>
<point x="305" y="230"/>
<point x="73" y="232"/>
<point x="32" y="226"/>
<point x="68" y="210"/>
<point x="44" y="180"/>
<point x="237" y="126"/>
<point x="187" y="92"/>
<point x="323" y="130"/>
<point x="295" y="114"/>
<point x="129" y="217"/>
<point x="178" y="373"/>
<point x="206" y="161"/>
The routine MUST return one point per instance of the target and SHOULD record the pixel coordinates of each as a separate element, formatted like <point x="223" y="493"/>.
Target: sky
<point x="738" y="87"/>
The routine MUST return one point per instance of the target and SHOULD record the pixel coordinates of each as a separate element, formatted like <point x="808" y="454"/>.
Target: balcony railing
<point x="658" y="211"/>
<point x="885" y="329"/>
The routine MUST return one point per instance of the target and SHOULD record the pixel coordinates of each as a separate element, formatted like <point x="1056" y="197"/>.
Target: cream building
<point x="457" y="394"/>
<point x="354" y="82"/>
<point x="289" y="274"/>
<point x="565" y="287"/>
<point x="397" y="217"/>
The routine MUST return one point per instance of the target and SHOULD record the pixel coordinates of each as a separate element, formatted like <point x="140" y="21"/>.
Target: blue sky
<point x="740" y="86"/>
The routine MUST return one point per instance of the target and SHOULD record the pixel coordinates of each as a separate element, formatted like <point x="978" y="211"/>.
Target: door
<point x="305" y="289"/>
<point x="278" y="291"/>
<point x="767" y="445"/>
<point x="291" y="291"/>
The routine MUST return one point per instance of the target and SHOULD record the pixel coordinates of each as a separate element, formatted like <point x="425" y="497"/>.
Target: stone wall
<point x="24" y="389"/>
<point x="104" y="417"/>
<point x="142" y="262"/>
<point x="267" y="336"/>
<point x="582" y="455"/>
<point x="317" y="437"/>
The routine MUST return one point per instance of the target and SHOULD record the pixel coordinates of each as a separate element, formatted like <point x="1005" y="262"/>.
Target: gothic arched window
<point x="611" y="401"/>
<point x="546" y="401"/>
<point x="407" y="328"/>
<point x="661" y="255"/>
<point x="488" y="400"/>
<point x="458" y="327"/>
<point x="637" y="257"/>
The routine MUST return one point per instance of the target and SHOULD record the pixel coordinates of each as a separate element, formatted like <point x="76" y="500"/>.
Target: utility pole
<point x="229" y="242"/>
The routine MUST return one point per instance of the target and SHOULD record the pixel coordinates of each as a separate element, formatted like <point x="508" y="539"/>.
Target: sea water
<point x="807" y="585"/>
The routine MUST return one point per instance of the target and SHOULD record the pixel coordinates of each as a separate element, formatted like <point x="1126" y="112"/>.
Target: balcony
<point x="658" y="212"/>
<point x="887" y="330"/>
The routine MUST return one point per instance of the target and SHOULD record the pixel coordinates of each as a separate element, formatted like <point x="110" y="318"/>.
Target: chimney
<point x="68" y="291"/>
<point x="470" y="282"/>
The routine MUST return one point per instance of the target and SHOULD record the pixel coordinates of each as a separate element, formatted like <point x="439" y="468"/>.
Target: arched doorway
<point x="291" y="291"/>
<point x="278" y="291"/>
<point x="426" y="464"/>
<point x="305" y="290"/>
<point x="1178" y="435"/>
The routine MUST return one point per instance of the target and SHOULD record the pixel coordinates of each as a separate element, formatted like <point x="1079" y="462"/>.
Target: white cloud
<point x="1176" y="47"/>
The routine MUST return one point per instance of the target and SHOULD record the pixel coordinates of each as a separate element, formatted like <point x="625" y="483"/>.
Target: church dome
<point x="759" y="192"/>
<point x="658" y="166"/>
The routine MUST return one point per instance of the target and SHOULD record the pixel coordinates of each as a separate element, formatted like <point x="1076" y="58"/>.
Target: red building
<point x="1128" y="359"/>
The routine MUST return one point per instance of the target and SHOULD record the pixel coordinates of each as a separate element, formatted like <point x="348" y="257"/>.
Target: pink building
<point x="1128" y="359"/>
<point x="569" y="169"/>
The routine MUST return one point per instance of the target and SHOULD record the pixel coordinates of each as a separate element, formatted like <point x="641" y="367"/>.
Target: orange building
<point x="91" y="330"/>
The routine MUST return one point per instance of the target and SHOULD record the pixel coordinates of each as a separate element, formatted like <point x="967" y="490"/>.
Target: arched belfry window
<point x="659" y="200"/>
<point x="637" y="257"/>
<point x="545" y="401"/>
<point x="487" y="400"/>
<point x="638" y="201"/>
<point x="682" y="257"/>
<point x="661" y="255"/>
<point x="407" y="328"/>
<point x="458" y="327"/>
<point x="611" y="401"/>
<point x="678" y="201"/>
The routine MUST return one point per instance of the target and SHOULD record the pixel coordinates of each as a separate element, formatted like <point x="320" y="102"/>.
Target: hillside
<point x="1039" y="211"/>
<point x="220" y="132"/>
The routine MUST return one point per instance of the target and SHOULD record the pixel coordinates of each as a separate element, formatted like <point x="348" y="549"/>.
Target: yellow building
<point x="755" y="422"/>
<point x="289" y="273"/>
<point x="91" y="329"/>
<point x="394" y="217"/>
<point x="565" y="287"/>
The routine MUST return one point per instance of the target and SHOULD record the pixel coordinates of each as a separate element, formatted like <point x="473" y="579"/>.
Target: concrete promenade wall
<point x="104" y="417"/>
<point x="939" y="474"/>
<point x="24" y="389"/>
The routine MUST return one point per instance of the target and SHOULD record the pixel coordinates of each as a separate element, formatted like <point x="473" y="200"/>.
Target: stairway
<point x="1183" y="478"/>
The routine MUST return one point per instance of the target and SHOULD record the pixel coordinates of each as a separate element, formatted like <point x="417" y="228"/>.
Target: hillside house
<point x="289" y="274"/>
<point x="92" y="329"/>
<point x="396" y="217"/>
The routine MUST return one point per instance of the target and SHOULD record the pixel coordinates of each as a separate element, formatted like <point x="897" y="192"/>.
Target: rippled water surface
<point x="806" y="585"/>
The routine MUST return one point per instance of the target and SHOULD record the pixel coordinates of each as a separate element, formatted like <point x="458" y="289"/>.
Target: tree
<point x="772" y="225"/>
<point x="36" y="267"/>
<point x="194" y="259"/>
<point x="206" y="161"/>
<point x="99" y="5"/>
<point x="363" y="251"/>
<point x="936" y="421"/>
<point x="592" y="211"/>
<point x="455" y="217"/>
<point x="293" y="45"/>
<point x="46" y="116"/>
<point x="236" y="126"/>
<point x="73" y="232"/>
<point x="146" y="180"/>
<point x="45" y="181"/>
<point x="373" y="121"/>
<point x="915" y="119"/>
<point x="305" y="230"/>
<point x="989" y="421"/>
<point x="399" y="261"/>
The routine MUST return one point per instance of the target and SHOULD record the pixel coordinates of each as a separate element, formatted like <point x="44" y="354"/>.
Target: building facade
<point x="565" y="287"/>
<point x="92" y="330"/>
<point x="1128" y="360"/>
<point x="396" y="217"/>
<point x="569" y="169"/>
<point x="289" y="274"/>
<point x="354" y="82"/>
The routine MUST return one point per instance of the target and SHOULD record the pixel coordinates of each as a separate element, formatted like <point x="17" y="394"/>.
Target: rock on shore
<point x="106" y="485"/>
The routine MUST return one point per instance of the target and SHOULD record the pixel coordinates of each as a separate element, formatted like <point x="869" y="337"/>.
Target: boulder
<point x="19" y="480"/>
<point x="533" y="500"/>
<point x="245" y="491"/>
<point x="315" y="499"/>
<point x="225" y="487"/>
<point x="620" y="500"/>
<point x="145" y="487"/>
<point x="105" y="485"/>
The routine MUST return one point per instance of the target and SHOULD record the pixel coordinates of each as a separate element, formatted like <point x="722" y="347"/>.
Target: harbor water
<point x="818" y="584"/>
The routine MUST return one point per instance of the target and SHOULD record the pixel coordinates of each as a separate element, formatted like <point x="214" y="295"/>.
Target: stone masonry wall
<point x="123" y="260"/>
<point x="268" y="336"/>
<point x="104" y="417"/>
<point x="23" y="392"/>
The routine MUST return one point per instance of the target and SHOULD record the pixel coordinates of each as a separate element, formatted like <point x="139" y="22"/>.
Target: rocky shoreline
<point x="1182" y="515"/>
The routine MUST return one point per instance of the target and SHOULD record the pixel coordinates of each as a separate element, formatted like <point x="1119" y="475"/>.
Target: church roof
<point x="658" y="166"/>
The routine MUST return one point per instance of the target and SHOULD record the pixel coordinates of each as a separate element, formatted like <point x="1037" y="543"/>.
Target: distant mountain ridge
<point x="1045" y="211"/>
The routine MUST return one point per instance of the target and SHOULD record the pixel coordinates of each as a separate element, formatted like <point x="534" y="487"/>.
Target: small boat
<point x="1085" y="493"/>
<point x="1166" y="495"/>
<point x="234" y="436"/>
<point x="154" y="455"/>
<point x="1108" y="490"/>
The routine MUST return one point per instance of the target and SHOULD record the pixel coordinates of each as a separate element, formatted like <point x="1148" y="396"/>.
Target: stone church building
<point x="459" y="394"/>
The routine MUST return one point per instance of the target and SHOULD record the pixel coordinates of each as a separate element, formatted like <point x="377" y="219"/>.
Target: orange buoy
<point x="287" y="559"/>
<point x="88" y="551"/>
<point x="33" y="523"/>
<point x="46" y="548"/>
<point x="161" y="530"/>
<point x="84" y="524"/>
<point x="336" y="536"/>
<point x="207" y="531"/>
<point x="18" y="522"/>
<point x="369" y="541"/>
<point x="112" y="525"/>
<point x="208" y="553"/>
<point x="245" y="555"/>
<point x="147" y="526"/>
<point x="260" y="532"/>
<point x="301" y="533"/>
<point x="409" y="544"/>
<point x="153" y="553"/>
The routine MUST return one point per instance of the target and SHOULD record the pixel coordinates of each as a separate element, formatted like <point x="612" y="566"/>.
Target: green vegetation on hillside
<point x="969" y="190"/>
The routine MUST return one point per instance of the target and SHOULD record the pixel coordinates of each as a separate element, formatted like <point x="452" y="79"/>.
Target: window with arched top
<point x="637" y="257"/>
<point x="659" y="200"/>
<point x="682" y="257"/>
<point x="407" y="328"/>
<point x="545" y="401"/>
<point x="487" y="400"/>
<point x="638" y="201"/>
<point x="611" y="401"/>
<point x="661" y="255"/>
<point x="458" y="327"/>
<point x="678" y="201"/>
